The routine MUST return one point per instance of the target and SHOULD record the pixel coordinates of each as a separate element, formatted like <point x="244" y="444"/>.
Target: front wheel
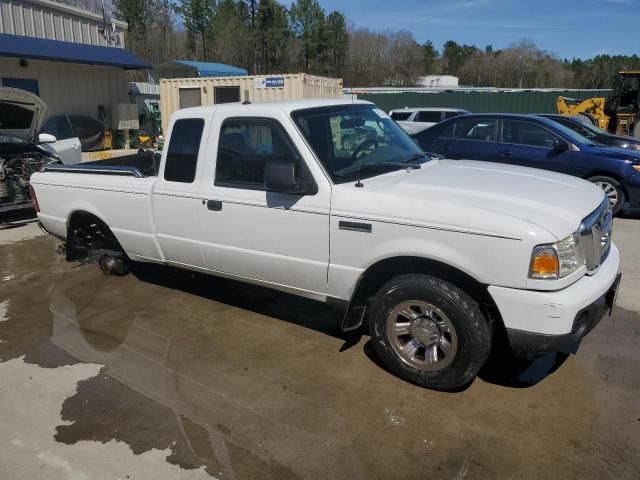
<point x="429" y="332"/>
<point x="613" y="190"/>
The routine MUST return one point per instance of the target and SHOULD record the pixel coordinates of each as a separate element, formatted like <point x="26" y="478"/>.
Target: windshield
<point x="591" y="128"/>
<point x="575" y="137"/>
<point x="5" y="138"/>
<point x="346" y="137"/>
<point x="15" y="117"/>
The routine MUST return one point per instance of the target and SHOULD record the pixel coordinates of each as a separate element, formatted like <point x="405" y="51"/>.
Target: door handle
<point x="506" y="153"/>
<point x="446" y="147"/>
<point x="215" y="205"/>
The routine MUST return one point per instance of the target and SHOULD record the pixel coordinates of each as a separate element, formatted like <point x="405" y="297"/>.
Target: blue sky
<point x="568" y="28"/>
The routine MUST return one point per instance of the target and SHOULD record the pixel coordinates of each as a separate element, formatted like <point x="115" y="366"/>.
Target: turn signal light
<point x="544" y="263"/>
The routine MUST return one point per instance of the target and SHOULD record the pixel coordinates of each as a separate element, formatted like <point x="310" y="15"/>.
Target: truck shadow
<point x="505" y="370"/>
<point x="261" y="300"/>
<point x="502" y="368"/>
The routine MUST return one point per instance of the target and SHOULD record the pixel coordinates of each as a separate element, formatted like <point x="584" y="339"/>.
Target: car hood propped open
<point x="21" y="113"/>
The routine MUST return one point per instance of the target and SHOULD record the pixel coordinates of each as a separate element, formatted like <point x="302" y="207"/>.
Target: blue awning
<point x="56" y="51"/>
<point x="186" y="69"/>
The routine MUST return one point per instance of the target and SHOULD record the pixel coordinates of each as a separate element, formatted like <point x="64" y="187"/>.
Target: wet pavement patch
<point x="168" y="374"/>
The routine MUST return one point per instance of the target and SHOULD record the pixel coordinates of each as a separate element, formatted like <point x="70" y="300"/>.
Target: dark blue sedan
<point x="540" y="143"/>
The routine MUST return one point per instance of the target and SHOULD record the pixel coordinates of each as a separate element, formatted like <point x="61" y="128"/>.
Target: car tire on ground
<point x="429" y="332"/>
<point x="613" y="190"/>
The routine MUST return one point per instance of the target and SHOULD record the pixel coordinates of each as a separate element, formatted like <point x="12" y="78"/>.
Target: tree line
<point x="261" y="36"/>
<point x="264" y="36"/>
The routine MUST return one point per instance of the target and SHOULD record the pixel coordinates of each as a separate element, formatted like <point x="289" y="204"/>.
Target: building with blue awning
<point x="73" y="59"/>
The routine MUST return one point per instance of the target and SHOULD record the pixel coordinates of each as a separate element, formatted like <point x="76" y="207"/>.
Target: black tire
<point x="606" y="182"/>
<point x="472" y="330"/>
<point x="113" y="265"/>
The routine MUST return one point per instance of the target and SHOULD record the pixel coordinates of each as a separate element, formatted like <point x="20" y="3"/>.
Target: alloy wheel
<point x="610" y="191"/>
<point x="422" y="335"/>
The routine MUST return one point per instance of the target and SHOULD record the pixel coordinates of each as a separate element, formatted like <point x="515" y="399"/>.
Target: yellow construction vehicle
<point x="619" y="113"/>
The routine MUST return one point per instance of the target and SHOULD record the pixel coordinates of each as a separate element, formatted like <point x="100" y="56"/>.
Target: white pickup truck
<point x="440" y="258"/>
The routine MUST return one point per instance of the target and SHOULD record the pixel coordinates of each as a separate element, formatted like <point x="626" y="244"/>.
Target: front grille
<point x="595" y="235"/>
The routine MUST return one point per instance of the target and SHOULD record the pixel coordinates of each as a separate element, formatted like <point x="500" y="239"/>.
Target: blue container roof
<point x="178" y="68"/>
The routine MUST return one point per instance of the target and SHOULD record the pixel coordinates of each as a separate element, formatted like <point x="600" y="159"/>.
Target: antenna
<point x="106" y="22"/>
<point x="358" y="184"/>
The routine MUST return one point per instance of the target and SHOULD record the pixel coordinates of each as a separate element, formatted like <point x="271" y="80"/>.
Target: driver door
<point x="277" y="239"/>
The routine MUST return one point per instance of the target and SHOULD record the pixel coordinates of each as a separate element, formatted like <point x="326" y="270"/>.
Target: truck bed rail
<point x="96" y="169"/>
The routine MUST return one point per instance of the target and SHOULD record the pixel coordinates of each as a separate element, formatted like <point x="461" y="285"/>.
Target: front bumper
<point x="540" y="321"/>
<point x="528" y="344"/>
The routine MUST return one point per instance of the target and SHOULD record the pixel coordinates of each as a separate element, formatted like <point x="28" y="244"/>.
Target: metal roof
<point x="57" y="51"/>
<point x="187" y="69"/>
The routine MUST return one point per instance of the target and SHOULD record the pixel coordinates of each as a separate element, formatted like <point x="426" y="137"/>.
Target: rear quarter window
<point x="182" y="154"/>
<point x="400" y="116"/>
<point x="429" y="116"/>
<point x="451" y="114"/>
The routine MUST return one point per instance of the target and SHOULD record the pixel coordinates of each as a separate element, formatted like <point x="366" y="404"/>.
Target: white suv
<point x="414" y="120"/>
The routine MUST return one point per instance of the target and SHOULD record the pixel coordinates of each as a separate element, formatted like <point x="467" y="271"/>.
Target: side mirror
<point x="282" y="177"/>
<point x="559" y="146"/>
<point x="46" y="138"/>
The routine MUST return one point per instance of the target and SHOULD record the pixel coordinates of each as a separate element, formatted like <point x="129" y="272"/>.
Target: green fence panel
<point x="527" y="101"/>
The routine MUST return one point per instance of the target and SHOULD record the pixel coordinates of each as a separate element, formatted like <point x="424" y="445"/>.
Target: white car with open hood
<point x="442" y="259"/>
<point x="22" y="113"/>
<point x="24" y="151"/>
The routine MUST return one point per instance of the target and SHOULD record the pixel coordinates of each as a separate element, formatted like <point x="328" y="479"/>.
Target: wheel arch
<point x="612" y="175"/>
<point x="79" y="218"/>
<point x="381" y="271"/>
<point x="603" y="173"/>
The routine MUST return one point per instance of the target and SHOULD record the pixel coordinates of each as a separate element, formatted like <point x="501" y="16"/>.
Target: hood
<point x="481" y="197"/>
<point x="620" y="153"/>
<point x="21" y="113"/>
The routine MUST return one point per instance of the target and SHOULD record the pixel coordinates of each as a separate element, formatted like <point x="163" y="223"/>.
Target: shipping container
<point x="176" y="93"/>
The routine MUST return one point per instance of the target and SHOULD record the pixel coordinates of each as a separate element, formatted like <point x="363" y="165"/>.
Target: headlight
<point x="556" y="260"/>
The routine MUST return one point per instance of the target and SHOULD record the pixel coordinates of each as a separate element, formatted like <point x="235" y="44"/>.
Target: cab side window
<point x="525" y="133"/>
<point x="182" y="154"/>
<point x="244" y="148"/>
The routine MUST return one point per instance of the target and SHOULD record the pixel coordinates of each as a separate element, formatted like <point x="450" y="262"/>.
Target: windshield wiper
<point x="420" y="155"/>
<point x="416" y="156"/>
<point x="366" y="166"/>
